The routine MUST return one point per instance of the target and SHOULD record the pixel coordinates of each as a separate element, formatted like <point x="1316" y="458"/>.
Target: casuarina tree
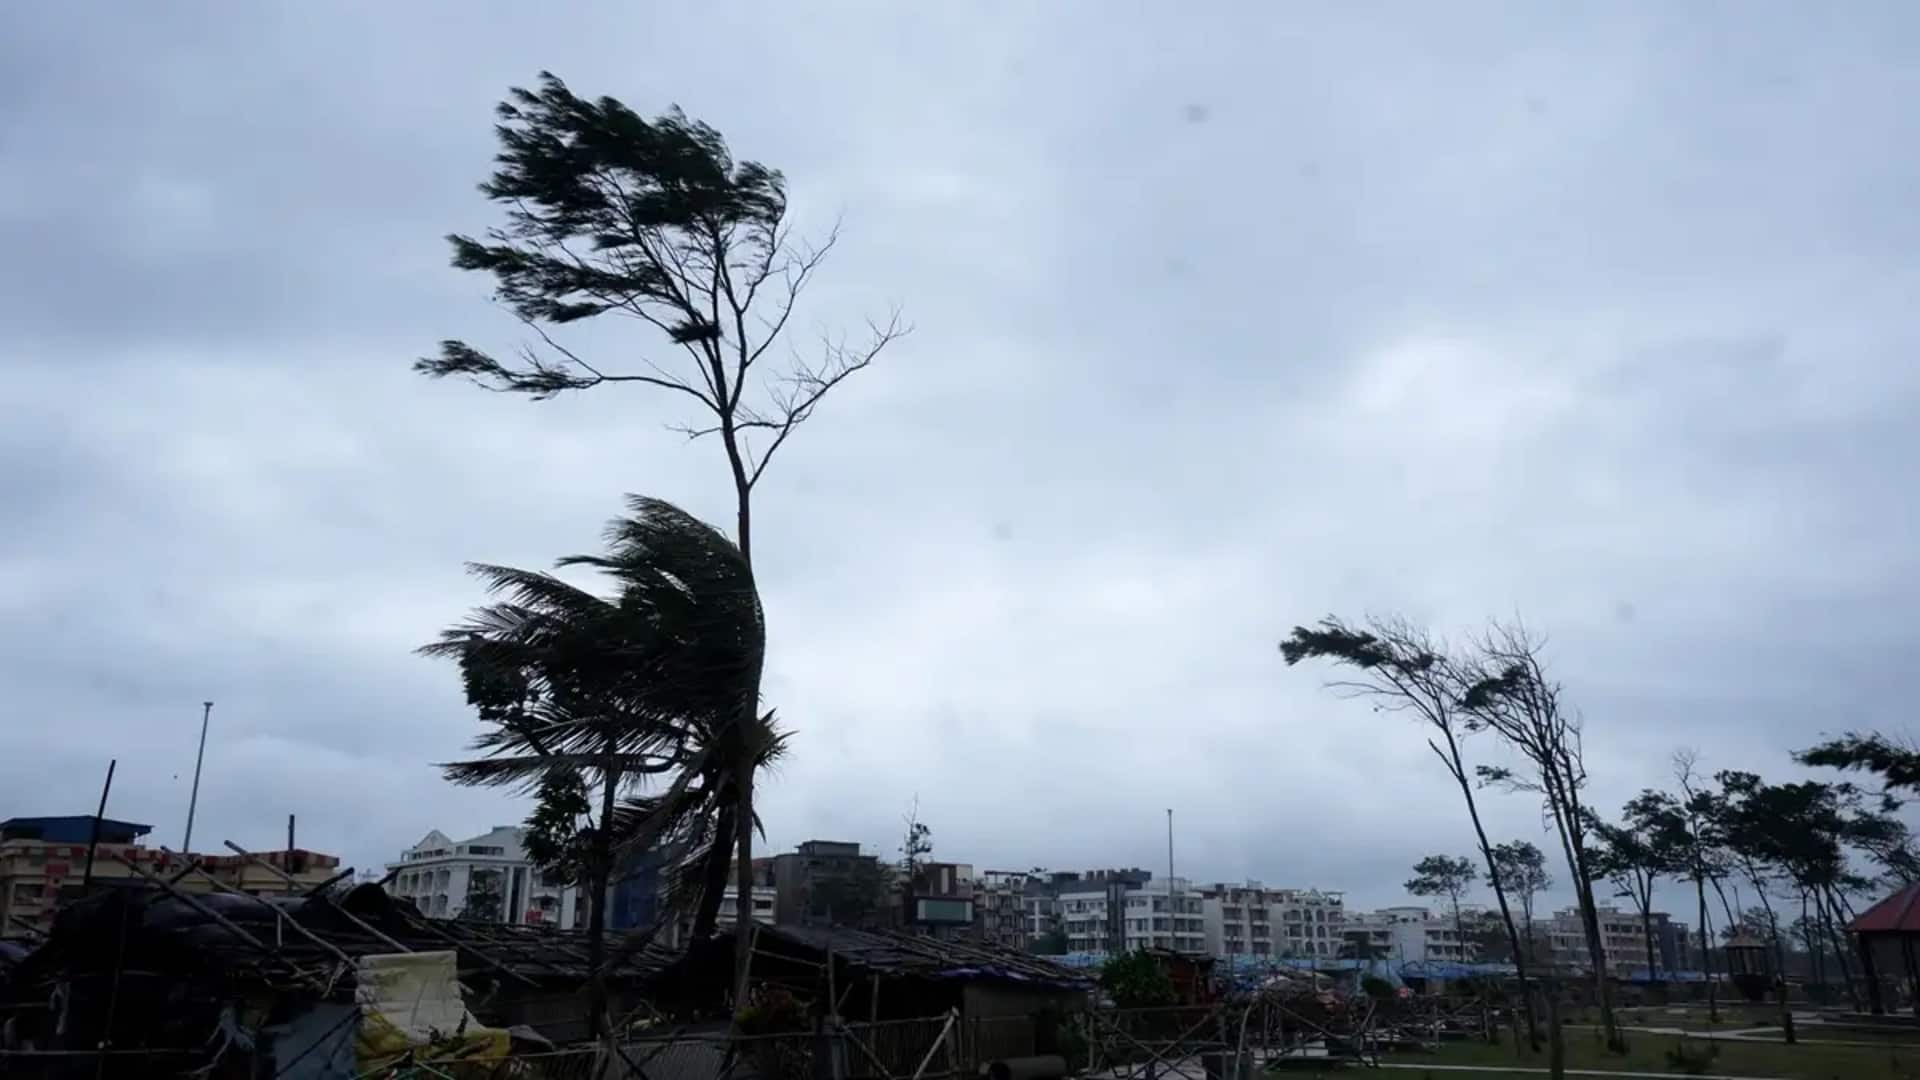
<point x="1445" y="876"/>
<point x="1509" y="693"/>
<point x="1648" y="843"/>
<point x="608" y="213"/>
<point x="1399" y="667"/>
<point x="1522" y="867"/>
<point x="1703" y="857"/>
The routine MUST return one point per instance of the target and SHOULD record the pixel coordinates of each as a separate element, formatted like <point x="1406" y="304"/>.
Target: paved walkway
<point x="1521" y="1070"/>
<point x="1771" y="1034"/>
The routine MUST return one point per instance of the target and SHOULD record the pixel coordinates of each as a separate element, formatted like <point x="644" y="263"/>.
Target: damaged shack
<point x="144" y="980"/>
<point x="1003" y="1003"/>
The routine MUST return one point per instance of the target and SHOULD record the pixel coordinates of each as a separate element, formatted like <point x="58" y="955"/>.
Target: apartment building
<point x="999" y="908"/>
<point x="1040" y="911"/>
<point x="764" y="897"/>
<point x="831" y="882"/>
<point x="1410" y="934"/>
<point x="1121" y="915"/>
<point x="1623" y="940"/>
<point x="487" y="877"/>
<point x="1249" y="919"/>
<point x="1043" y="915"/>
<point x="43" y="864"/>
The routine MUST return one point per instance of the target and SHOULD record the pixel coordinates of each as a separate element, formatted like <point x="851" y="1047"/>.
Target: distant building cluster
<point x="44" y="865"/>
<point x="491" y="878"/>
<point x="1092" y="912"/>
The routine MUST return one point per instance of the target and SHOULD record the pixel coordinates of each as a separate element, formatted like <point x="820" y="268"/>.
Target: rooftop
<point x="72" y="829"/>
<point x="1897" y="914"/>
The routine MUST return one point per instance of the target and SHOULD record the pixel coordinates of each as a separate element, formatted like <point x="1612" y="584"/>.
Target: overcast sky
<point x="1223" y="321"/>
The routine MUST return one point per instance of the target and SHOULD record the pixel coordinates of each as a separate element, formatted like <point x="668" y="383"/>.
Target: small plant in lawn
<point x="1691" y="1058"/>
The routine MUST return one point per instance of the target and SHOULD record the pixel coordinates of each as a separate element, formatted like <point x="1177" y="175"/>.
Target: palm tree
<point x="587" y="693"/>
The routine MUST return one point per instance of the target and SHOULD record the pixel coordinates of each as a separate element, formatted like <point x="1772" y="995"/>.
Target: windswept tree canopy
<point x="1442" y="875"/>
<point x="610" y="213"/>
<point x="1897" y="765"/>
<point x="640" y="683"/>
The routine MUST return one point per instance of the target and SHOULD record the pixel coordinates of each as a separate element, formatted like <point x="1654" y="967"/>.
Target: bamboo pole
<point x="225" y="922"/>
<point x="952" y="1015"/>
<point x="348" y="915"/>
<point x="280" y="917"/>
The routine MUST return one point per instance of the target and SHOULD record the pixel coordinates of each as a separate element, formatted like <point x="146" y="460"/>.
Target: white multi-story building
<point x="1147" y="915"/>
<point x="487" y="877"/>
<point x="763" y="902"/>
<point x="1249" y="919"/>
<point x="1410" y="934"/>
<point x="1622" y="939"/>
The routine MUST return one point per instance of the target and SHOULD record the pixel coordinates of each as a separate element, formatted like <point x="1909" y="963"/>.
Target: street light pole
<point x="193" y="801"/>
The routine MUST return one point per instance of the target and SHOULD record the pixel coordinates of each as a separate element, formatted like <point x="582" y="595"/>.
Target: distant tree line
<point x="1806" y="852"/>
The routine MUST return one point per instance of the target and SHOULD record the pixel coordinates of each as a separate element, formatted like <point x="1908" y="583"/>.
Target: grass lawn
<point x="1690" y="1017"/>
<point x="1648" y="1053"/>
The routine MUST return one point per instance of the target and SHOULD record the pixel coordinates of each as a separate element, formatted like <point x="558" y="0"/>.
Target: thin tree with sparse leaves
<point x="1445" y="875"/>
<point x="1401" y="667"/>
<point x="609" y="213"/>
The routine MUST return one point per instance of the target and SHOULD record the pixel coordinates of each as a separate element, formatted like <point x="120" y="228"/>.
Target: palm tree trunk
<point x="602" y="870"/>
<point x="713" y="878"/>
<point x="743" y="876"/>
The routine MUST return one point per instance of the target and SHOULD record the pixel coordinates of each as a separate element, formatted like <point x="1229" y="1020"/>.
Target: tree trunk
<point x="597" y="916"/>
<point x="1499" y="892"/>
<point x="1602" y="978"/>
<point x="1817" y="969"/>
<point x="743" y="875"/>
<point x="713" y="876"/>
<point x="743" y="728"/>
<point x="1565" y="808"/>
<point x="1779" y="955"/>
<point x="1706" y="949"/>
<point x="1646" y="928"/>
<point x="1824" y="914"/>
<point x="1556" y="1034"/>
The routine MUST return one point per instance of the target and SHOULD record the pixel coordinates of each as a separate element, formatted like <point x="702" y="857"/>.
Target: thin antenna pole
<point x="1172" y="941"/>
<point x="93" y="839"/>
<point x="193" y="801"/>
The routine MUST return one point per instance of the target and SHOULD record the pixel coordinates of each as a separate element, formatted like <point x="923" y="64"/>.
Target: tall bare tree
<point x="609" y="213"/>
<point x="1510" y="694"/>
<point x="1400" y="667"/>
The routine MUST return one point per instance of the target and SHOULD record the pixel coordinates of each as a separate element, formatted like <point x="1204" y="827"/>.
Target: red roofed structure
<point x="1888" y="934"/>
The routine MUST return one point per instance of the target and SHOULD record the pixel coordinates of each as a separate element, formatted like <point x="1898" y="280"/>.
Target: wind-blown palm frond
<point x="654" y="682"/>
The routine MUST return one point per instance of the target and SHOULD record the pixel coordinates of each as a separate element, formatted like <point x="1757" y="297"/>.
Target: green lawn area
<point x="1648" y="1053"/>
<point x="1737" y="1017"/>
